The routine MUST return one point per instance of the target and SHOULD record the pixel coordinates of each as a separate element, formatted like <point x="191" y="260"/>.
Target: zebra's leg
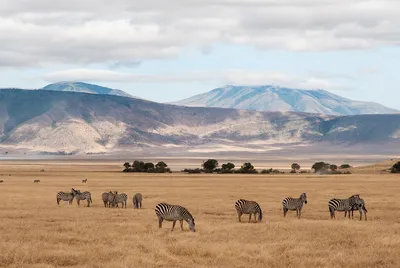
<point x="173" y="225"/>
<point x="255" y="219"/>
<point x="160" y="220"/>
<point x="58" y="201"/>
<point x="181" y="222"/>
<point x="239" y="215"/>
<point x="297" y="212"/>
<point x="285" y="210"/>
<point x="249" y="217"/>
<point x="88" y="202"/>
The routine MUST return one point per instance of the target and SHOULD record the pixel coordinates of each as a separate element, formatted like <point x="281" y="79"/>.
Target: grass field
<point x="35" y="232"/>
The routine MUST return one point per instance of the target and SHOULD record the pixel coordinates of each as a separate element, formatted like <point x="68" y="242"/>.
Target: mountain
<point x="51" y="122"/>
<point x="85" y="88"/>
<point x="271" y="98"/>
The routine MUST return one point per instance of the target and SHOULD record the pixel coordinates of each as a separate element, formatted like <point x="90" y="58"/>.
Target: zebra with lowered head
<point x="290" y="203"/>
<point x="174" y="213"/>
<point x="84" y="181"/>
<point x="359" y="204"/>
<point x="346" y="205"/>
<point x="84" y="196"/>
<point x="67" y="196"/>
<point x="120" y="198"/>
<point x="248" y="207"/>
<point x="137" y="200"/>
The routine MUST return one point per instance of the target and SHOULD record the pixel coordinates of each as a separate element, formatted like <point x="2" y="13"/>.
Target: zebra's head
<point x="191" y="224"/>
<point x="75" y="192"/>
<point x="303" y="198"/>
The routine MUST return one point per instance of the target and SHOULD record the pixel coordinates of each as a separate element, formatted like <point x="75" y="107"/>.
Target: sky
<point x="170" y="50"/>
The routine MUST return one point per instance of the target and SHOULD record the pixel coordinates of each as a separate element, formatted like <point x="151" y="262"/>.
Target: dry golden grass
<point x="35" y="232"/>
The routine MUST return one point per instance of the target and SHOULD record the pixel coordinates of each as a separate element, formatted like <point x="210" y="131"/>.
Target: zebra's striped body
<point x="174" y="213"/>
<point x="84" y="181"/>
<point x="290" y="203"/>
<point x="120" y="198"/>
<point x="111" y="199"/>
<point x="336" y="204"/>
<point x="84" y="196"/>
<point x="66" y="196"/>
<point x="360" y="206"/>
<point x="36" y="181"/>
<point x="248" y="207"/>
<point x="137" y="200"/>
<point x="104" y="197"/>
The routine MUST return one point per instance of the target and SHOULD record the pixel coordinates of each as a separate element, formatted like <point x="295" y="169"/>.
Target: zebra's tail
<point x="260" y="215"/>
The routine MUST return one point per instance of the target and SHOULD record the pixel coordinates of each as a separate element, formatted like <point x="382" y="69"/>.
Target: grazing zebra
<point x="84" y="181"/>
<point x="336" y="204"/>
<point x="248" y="207"/>
<point x="104" y="197"/>
<point x="120" y="198"/>
<point x="137" y="200"/>
<point x="66" y="196"/>
<point x="290" y="203"/>
<point x="84" y="196"/>
<point x="111" y="199"/>
<point x="36" y="181"/>
<point x="357" y="206"/>
<point x="174" y="213"/>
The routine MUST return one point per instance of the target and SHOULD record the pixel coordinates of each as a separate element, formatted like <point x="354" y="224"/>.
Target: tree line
<point x="140" y="166"/>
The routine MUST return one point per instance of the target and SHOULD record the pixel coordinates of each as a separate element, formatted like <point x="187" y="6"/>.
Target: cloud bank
<point x="119" y="33"/>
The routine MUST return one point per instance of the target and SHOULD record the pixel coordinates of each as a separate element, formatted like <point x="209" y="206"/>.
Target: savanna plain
<point x="36" y="232"/>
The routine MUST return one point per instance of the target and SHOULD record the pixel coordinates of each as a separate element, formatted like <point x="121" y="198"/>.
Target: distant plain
<point x="35" y="232"/>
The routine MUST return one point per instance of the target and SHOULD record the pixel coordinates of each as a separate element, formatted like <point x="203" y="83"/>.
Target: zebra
<point x="358" y="205"/>
<point x="248" y="207"/>
<point x="290" y="203"/>
<point x="1" y="181"/>
<point x="111" y="199"/>
<point x="104" y="197"/>
<point x="137" y="200"/>
<point x="174" y="213"/>
<point x="346" y="205"/>
<point x="67" y="196"/>
<point x="120" y="198"/>
<point x="84" y="181"/>
<point x="84" y="196"/>
<point x="36" y="181"/>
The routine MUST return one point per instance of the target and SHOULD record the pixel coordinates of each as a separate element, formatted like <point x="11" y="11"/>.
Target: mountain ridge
<point x="275" y="98"/>
<point x="53" y="121"/>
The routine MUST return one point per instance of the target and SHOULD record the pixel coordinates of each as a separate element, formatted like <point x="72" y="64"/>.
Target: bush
<point x="196" y="170"/>
<point x="395" y="168"/>
<point x="228" y="166"/>
<point x="333" y="167"/>
<point x="295" y="167"/>
<point x="266" y="171"/>
<point x="345" y="166"/>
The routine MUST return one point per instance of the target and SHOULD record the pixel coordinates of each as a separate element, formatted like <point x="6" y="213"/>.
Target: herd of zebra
<point x="168" y="212"/>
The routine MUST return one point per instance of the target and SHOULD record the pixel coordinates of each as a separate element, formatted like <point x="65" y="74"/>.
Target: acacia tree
<point x="295" y="167"/>
<point x="320" y="166"/>
<point x="161" y="164"/>
<point x="333" y="167"/>
<point x="228" y="166"/>
<point x="210" y="165"/>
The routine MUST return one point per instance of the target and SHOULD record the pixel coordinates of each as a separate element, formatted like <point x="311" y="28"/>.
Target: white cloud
<point x="234" y="76"/>
<point x="44" y="32"/>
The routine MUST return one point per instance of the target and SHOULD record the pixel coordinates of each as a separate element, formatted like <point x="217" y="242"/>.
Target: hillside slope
<point x="271" y="98"/>
<point x="51" y="121"/>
